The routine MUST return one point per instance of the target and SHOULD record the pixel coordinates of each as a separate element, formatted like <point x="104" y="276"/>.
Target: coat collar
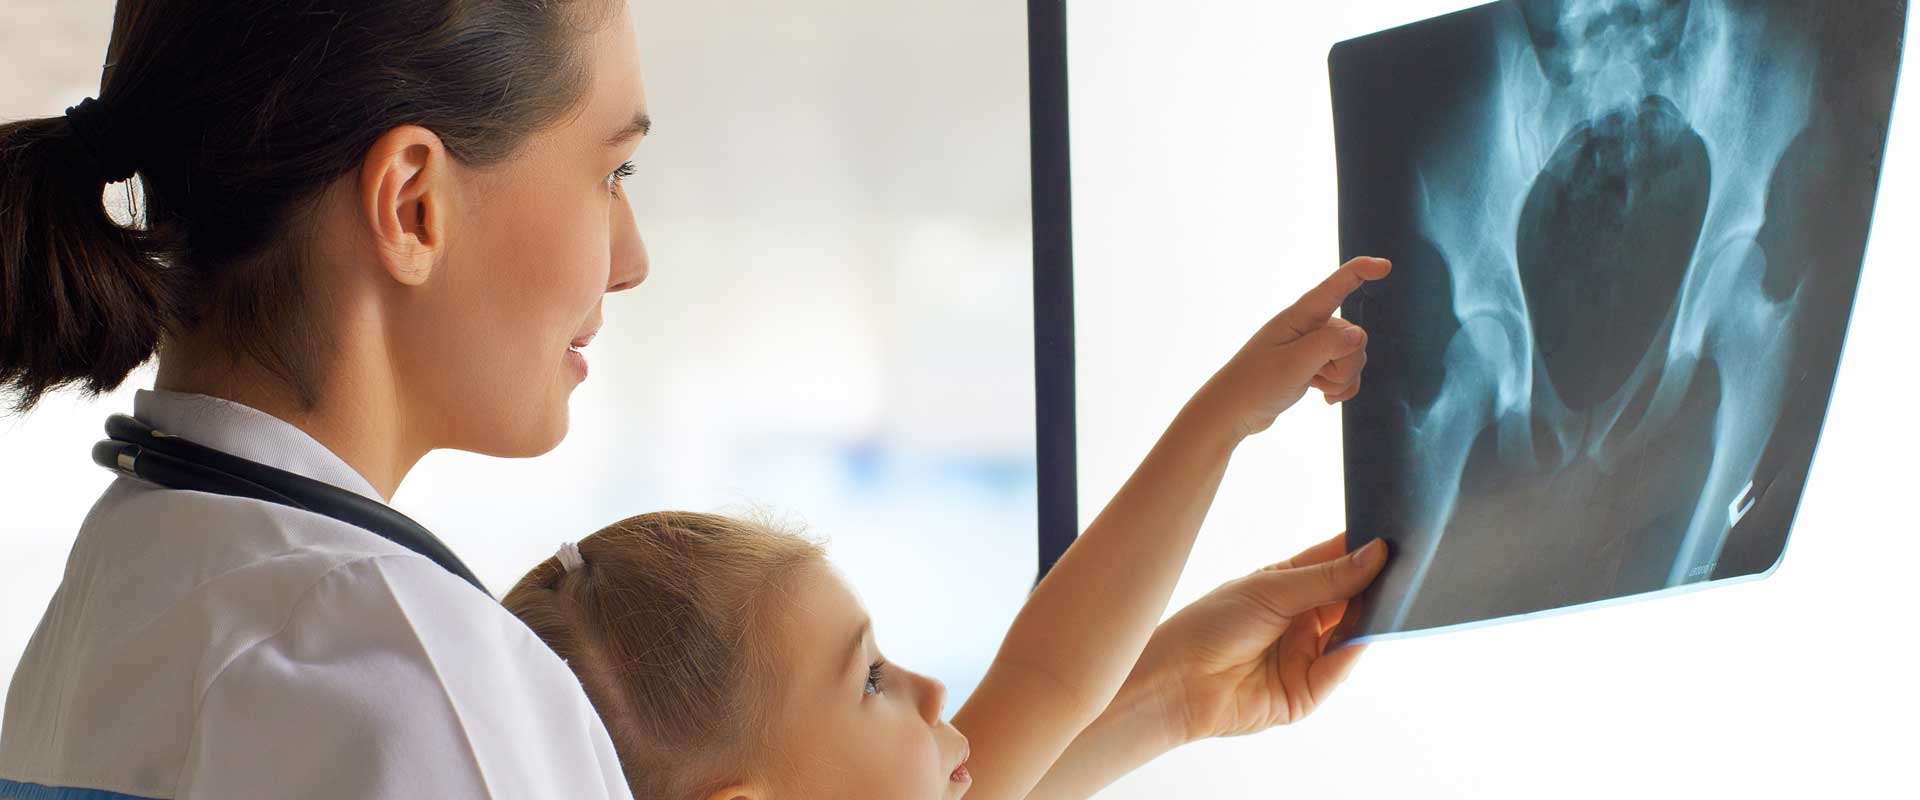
<point x="249" y="433"/>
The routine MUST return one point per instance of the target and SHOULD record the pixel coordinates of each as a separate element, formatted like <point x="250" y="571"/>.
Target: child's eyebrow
<point x="854" y="650"/>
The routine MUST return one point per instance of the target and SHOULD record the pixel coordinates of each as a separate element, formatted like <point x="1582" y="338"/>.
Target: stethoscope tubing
<point x="135" y="449"/>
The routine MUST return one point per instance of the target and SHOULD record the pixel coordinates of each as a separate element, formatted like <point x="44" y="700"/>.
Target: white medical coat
<point x="205" y="646"/>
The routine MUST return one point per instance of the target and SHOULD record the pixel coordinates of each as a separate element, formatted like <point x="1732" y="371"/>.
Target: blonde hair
<point x="666" y="627"/>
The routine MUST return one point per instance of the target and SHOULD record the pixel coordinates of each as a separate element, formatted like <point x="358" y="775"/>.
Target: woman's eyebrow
<point x="639" y="126"/>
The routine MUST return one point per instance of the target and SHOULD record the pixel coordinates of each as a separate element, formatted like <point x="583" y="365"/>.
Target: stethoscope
<point x="134" y="449"/>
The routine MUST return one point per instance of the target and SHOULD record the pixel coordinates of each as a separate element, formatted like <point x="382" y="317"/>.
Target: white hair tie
<point x="569" y="555"/>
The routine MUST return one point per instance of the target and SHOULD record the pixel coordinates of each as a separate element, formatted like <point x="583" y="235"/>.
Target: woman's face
<point x="850" y="725"/>
<point x="486" y="350"/>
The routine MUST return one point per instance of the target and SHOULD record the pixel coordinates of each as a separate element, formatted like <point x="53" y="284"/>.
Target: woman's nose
<point x="629" y="252"/>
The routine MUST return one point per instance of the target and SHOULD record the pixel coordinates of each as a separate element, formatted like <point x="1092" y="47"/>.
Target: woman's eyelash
<point x="875" y="676"/>
<point x="619" y="173"/>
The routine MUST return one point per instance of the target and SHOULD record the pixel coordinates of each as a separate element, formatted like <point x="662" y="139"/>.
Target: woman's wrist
<point x="1138" y="726"/>
<point x="1150" y="706"/>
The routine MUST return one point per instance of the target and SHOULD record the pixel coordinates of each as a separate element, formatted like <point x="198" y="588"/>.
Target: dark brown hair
<point x="668" y="627"/>
<point x="237" y="113"/>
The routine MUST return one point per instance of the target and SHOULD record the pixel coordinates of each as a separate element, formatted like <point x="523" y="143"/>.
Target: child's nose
<point x="933" y="697"/>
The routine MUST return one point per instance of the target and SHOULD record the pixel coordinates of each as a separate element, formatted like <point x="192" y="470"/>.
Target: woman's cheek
<point x="584" y="266"/>
<point x="558" y="288"/>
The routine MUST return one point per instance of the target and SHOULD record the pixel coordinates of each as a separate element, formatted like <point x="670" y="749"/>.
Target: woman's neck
<point x="357" y="416"/>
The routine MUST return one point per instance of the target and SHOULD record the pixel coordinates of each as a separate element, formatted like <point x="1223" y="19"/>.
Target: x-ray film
<point x="1626" y="237"/>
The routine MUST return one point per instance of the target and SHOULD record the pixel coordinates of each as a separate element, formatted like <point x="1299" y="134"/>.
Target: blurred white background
<point x="835" y="197"/>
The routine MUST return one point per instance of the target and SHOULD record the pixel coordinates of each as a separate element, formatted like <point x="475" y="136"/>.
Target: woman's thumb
<point x="1289" y="592"/>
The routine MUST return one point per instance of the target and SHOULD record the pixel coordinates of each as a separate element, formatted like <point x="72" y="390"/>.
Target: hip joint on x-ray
<point x="1627" y="235"/>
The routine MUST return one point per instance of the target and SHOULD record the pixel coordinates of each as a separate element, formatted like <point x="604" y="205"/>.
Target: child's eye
<point x="619" y="173"/>
<point x="875" y="677"/>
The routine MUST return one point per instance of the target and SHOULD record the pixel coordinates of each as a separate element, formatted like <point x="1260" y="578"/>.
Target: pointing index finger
<point x="1314" y="308"/>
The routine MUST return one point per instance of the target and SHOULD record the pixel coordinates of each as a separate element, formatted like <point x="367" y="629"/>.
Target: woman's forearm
<point x="1140" y="725"/>
<point x="1072" y="646"/>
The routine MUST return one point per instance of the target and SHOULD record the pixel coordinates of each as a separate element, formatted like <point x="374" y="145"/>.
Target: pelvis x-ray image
<point x="1626" y="237"/>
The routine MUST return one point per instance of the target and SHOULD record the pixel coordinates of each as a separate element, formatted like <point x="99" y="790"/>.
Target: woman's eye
<point x="875" y="676"/>
<point x="620" y="173"/>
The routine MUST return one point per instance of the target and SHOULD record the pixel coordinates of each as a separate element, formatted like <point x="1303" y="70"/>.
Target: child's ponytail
<point x="665" y="619"/>
<point x="83" y="300"/>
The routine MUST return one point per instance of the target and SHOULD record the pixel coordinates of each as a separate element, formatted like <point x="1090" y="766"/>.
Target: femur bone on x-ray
<point x="1626" y="237"/>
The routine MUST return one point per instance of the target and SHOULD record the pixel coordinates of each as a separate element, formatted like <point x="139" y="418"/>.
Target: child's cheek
<point x="921" y="775"/>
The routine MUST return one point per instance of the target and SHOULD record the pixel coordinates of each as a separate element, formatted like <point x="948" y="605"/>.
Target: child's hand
<point x="1252" y="654"/>
<point x="1303" y="347"/>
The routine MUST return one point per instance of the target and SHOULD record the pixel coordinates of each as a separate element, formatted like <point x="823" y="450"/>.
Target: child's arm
<point x="1073" y="644"/>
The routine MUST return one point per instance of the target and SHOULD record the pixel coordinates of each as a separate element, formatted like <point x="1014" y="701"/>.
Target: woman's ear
<point x="404" y="197"/>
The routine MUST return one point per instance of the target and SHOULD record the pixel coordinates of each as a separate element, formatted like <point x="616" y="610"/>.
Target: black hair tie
<point x="109" y="146"/>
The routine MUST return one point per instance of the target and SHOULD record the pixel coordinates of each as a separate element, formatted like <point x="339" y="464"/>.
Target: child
<point x="729" y="660"/>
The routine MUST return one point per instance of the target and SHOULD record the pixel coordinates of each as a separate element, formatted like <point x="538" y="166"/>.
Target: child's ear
<point x="739" y="791"/>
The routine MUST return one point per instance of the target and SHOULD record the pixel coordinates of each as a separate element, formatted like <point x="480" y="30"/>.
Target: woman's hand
<point x="1248" y="656"/>
<point x="1303" y="347"/>
<point x="1252" y="654"/>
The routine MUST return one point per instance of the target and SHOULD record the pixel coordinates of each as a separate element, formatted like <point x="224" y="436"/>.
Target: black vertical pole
<point x="1052" y="278"/>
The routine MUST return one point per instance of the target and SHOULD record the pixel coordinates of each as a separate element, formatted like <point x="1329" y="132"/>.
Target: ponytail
<point x="667" y="620"/>
<point x="82" y="300"/>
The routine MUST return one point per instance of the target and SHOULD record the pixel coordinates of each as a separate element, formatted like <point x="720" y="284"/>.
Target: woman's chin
<point x="553" y="433"/>
<point x="529" y="438"/>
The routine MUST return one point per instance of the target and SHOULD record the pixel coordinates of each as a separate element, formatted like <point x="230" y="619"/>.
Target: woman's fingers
<point x="1329" y="616"/>
<point x="1307" y="672"/>
<point x="1331" y="548"/>
<point x="1291" y="592"/>
<point x="1330" y="669"/>
<point x="1296" y="651"/>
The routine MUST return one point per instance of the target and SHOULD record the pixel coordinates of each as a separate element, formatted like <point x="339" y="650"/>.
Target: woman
<point x="371" y="230"/>
<point x="387" y="226"/>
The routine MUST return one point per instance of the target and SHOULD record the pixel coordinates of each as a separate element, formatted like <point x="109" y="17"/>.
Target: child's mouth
<point x="960" y="772"/>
